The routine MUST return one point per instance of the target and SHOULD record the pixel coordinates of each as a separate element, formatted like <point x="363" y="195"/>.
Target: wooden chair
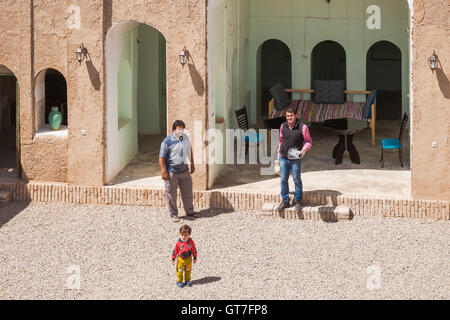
<point x="248" y="137"/>
<point x="394" y="144"/>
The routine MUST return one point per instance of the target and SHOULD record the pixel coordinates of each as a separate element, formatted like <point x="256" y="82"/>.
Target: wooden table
<point x="345" y="129"/>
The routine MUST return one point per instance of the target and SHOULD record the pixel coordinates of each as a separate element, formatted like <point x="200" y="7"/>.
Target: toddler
<point x="183" y="253"/>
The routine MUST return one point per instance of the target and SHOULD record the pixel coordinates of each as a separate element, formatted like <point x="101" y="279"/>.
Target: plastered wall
<point x="51" y="31"/>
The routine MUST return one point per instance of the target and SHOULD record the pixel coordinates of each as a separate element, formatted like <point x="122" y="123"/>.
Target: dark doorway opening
<point x="328" y="62"/>
<point x="384" y="73"/>
<point x="276" y="67"/>
<point x="9" y="149"/>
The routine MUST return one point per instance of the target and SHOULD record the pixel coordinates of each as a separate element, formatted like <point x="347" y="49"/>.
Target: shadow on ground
<point x="206" y="280"/>
<point x="9" y="211"/>
<point x="209" y="213"/>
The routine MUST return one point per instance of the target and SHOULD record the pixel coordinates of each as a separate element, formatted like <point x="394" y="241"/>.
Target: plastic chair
<point x="394" y="144"/>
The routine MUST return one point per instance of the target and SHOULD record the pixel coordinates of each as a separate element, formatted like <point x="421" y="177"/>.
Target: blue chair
<point x="394" y="144"/>
<point x="248" y="137"/>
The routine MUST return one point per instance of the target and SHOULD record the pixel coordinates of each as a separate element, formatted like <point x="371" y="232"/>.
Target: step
<point x="317" y="213"/>
<point x="5" y="197"/>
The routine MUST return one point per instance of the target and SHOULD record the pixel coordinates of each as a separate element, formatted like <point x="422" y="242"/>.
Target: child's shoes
<point x="180" y="284"/>
<point x="188" y="284"/>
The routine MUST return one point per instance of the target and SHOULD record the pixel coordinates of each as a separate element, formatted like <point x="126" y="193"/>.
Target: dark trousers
<point x="184" y="181"/>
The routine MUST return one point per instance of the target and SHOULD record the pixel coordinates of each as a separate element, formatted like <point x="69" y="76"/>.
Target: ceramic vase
<point x="55" y="118"/>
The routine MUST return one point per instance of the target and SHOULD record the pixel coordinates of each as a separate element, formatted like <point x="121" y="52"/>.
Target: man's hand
<point x="303" y="152"/>
<point x="192" y="168"/>
<point x="165" y="175"/>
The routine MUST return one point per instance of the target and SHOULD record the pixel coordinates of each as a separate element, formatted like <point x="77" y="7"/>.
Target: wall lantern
<point x="184" y="56"/>
<point x="81" y="53"/>
<point x="434" y="61"/>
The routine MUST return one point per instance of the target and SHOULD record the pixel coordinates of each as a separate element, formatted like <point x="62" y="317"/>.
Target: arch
<point x="136" y="92"/>
<point x="274" y="66"/>
<point x="9" y="123"/>
<point x="50" y="88"/>
<point x="384" y="73"/>
<point x="328" y="61"/>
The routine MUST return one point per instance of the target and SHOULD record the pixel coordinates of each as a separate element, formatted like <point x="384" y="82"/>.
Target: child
<point x="185" y="250"/>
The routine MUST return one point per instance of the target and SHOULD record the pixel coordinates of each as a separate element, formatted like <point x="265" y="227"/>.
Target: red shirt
<point x="184" y="249"/>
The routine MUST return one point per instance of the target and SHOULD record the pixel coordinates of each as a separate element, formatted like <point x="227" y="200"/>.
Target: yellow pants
<point x="184" y="265"/>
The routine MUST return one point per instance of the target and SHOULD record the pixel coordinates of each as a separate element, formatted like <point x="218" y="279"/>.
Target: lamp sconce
<point x="81" y="53"/>
<point x="184" y="56"/>
<point x="433" y="61"/>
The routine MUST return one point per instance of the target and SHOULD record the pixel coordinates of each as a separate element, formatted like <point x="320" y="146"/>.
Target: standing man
<point x="175" y="171"/>
<point x="294" y="142"/>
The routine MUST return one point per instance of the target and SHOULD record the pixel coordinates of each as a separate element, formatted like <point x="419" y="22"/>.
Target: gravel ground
<point x="124" y="253"/>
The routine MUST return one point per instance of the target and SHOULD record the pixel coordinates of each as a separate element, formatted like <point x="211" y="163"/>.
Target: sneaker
<point x="188" y="284"/>
<point x="298" y="206"/>
<point x="283" y="205"/>
<point x="180" y="284"/>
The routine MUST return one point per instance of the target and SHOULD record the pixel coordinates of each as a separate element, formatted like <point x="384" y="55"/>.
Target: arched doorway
<point x="384" y="73"/>
<point x="275" y="65"/>
<point x="136" y="116"/>
<point x="328" y="62"/>
<point x="50" y="91"/>
<point x="9" y="124"/>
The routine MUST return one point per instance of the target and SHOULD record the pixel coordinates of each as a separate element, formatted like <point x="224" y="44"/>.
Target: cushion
<point x="367" y="111"/>
<point x="391" y="144"/>
<point x="329" y="91"/>
<point x="280" y="96"/>
<point x="253" y="137"/>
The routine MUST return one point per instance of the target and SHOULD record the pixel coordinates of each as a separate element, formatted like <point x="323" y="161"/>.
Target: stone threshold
<point x="224" y="199"/>
<point x="322" y="213"/>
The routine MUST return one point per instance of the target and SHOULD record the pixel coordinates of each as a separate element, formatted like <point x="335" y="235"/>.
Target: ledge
<point x="123" y="122"/>
<point x="47" y="131"/>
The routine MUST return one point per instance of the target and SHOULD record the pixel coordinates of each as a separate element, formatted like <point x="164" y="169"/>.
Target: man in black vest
<point x="294" y="142"/>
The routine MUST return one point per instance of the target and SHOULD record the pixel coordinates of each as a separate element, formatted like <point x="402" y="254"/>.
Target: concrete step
<point x="5" y="197"/>
<point x="318" y="213"/>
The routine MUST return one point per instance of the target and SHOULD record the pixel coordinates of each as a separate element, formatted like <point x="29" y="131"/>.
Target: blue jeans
<point x="286" y="166"/>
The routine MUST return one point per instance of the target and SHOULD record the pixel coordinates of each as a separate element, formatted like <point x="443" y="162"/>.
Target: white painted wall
<point x="121" y="145"/>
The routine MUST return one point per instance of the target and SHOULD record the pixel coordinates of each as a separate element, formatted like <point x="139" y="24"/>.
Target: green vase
<point x="55" y="118"/>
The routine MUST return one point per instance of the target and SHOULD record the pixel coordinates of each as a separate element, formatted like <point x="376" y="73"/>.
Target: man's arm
<point x="280" y="141"/>
<point x="307" y="139"/>
<point x="162" y="165"/>
<point x="192" y="162"/>
<point x="162" y="161"/>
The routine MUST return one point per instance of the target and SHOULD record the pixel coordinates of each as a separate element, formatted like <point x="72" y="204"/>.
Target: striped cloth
<point x="308" y="110"/>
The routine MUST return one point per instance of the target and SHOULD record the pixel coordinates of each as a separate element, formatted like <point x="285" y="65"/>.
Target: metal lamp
<point x="81" y="53"/>
<point x="184" y="56"/>
<point x="434" y="61"/>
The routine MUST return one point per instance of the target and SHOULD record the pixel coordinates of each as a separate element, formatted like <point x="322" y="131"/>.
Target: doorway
<point x="9" y="125"/>
<point x="384" y="74"/>
<point x="275" y="67"/>
<point x="136" y="102"/>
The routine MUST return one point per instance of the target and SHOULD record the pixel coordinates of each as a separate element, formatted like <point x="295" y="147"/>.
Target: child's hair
<point x="185" y="229"/>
